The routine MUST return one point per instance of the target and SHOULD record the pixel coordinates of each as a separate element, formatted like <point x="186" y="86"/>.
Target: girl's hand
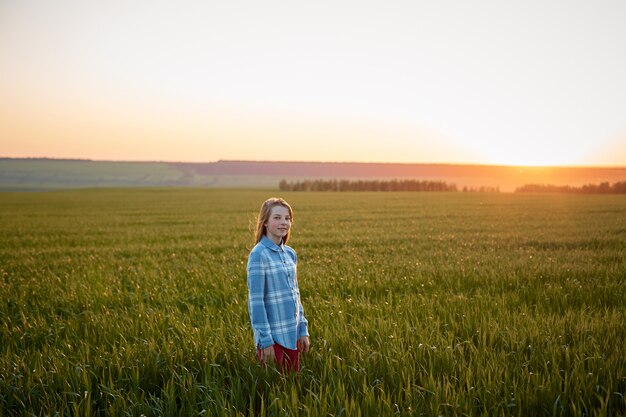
<point x="267" y="354"/>
<point x="304" y="344"/>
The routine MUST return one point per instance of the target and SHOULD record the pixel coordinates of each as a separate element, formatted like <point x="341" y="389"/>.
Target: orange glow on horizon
<point x="149" y="129"/>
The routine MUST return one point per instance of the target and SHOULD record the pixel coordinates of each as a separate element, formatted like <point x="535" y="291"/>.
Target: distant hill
<point x="47" y="174"/>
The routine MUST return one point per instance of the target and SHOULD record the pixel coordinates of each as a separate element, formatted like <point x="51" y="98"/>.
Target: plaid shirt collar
<point x="267" y="242"/>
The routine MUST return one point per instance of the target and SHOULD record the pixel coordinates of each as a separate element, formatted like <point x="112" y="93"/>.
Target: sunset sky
<point x="490" y="82"/>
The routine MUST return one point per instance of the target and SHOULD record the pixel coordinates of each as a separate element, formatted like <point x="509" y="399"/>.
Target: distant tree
<point x="602" y="188"/>
<point x="366" y="185"/>
<point x="619" y="187"/>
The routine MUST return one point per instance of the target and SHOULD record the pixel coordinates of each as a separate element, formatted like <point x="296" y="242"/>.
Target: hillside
<point x="48" y="174"/>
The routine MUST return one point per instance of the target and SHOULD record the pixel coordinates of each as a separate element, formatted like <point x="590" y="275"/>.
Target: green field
<point x="133" y="302"/>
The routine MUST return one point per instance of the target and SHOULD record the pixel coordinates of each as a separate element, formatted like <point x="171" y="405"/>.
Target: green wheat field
<point x="134" y="302"/>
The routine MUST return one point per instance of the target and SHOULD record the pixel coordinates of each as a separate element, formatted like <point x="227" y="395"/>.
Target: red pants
<point x="286" y="359"/>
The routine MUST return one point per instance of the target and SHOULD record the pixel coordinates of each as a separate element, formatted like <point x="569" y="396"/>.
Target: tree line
<point x="366" y="185"/>
<point x="602" y="188"/>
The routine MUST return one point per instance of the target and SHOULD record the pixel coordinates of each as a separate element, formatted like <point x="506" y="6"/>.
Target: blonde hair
<point x="264" y="216"/>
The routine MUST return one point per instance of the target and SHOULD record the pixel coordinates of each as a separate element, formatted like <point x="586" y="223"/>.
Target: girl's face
<point x="278" y="224"/>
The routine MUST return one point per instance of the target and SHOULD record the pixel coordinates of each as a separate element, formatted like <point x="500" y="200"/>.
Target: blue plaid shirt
<point x="274" y="304"/>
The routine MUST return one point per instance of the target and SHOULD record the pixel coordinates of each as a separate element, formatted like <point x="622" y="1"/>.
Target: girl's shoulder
<point x="257" y="249"/>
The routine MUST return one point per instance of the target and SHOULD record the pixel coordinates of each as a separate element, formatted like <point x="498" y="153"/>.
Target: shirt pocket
<point x="285" y="269"/>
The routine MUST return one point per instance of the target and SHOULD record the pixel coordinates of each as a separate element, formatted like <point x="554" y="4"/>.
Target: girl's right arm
<point x="256" y="303"/>
<point x="267" y="354"/>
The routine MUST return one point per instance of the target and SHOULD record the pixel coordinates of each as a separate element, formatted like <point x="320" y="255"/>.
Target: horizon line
<point x="475" y="164"/>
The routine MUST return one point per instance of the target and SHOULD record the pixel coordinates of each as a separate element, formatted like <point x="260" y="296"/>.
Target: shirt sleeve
<point x="303" y="325"/>
<point x="256" y="304"/>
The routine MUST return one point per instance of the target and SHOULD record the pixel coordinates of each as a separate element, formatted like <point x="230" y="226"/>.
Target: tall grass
<point x="126" y="302"/>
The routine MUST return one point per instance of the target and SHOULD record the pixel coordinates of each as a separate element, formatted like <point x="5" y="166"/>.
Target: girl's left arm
<point x="304" y="344"/>
<point x="303" y="324"/>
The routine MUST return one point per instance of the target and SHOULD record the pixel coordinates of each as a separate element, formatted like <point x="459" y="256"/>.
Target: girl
<point x="278" y="323"/>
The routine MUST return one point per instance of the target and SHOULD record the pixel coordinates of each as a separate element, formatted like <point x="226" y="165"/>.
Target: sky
<point x="475" y="82"/>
